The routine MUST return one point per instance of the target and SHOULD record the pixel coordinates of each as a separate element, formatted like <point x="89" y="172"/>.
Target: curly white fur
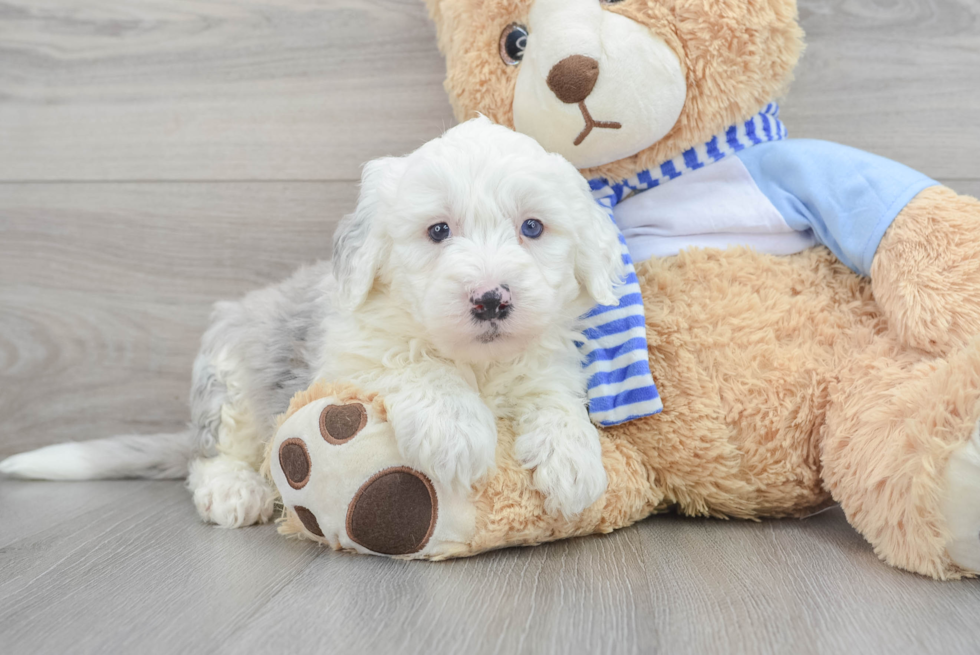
<point x="395" y="314"/>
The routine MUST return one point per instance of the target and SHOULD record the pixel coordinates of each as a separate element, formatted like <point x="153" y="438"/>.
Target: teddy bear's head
<point x="616" y="86"/>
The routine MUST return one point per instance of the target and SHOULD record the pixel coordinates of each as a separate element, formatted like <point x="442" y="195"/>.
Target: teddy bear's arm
<point x="926" y="273"/>
<point x="847" y="198"/>
<point x="917" y="240"/>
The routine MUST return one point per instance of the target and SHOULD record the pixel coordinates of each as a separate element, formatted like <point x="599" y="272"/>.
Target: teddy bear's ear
<point x="358" y="243"/>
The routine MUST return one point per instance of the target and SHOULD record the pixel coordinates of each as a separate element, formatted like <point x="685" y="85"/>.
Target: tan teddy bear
<point x="812" y="311"/>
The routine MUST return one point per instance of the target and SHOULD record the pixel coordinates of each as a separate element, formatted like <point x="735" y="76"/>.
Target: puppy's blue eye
<point x="532" y="228"/>
<point x="439" y="232"/>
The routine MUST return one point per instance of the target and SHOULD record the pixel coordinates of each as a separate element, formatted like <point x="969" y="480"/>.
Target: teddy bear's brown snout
<point x="573" y="78"/>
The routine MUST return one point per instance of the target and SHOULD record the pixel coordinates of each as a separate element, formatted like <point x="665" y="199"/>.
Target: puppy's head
<point x="481" y="238"/>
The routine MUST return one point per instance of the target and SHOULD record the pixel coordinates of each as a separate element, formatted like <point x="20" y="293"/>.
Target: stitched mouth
<point x="591" y="123"/>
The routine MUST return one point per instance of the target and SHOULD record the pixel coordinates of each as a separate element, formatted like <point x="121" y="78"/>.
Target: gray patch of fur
<point x="273" y="335"/>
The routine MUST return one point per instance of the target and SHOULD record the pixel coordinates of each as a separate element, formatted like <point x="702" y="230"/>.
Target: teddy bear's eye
<point x="610" y="2"/>
<point x="513" y="40"/>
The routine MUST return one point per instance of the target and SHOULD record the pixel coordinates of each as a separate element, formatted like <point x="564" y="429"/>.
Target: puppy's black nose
<point x="491" y="304"/>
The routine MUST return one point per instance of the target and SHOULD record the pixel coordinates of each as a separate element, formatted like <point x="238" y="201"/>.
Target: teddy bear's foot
<point x="343" y="483"/>
<point x="961" y="506"/>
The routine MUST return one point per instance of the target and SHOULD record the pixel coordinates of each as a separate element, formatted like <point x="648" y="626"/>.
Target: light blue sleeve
<point x="846" y="196"/>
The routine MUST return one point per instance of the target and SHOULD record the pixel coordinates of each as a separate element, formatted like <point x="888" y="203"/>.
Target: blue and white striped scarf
<point x="621" y="387"/>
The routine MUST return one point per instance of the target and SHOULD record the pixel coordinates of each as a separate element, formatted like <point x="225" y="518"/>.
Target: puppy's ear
<point x="358" y="243"/>
<point x="599" y="260"/>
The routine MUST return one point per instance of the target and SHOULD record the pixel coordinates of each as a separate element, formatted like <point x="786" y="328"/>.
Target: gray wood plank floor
<point x="156" y="156"/>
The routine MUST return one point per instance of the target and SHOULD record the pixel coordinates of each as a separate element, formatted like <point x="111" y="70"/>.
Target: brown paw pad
<point x="394" y="512"/>
<point x="340" y="423"/>
<point x="308" y="519"/>
<point x="294" y="461"/>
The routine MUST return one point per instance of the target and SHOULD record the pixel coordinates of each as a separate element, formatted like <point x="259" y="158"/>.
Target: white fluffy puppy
<point x="454" y="290"/>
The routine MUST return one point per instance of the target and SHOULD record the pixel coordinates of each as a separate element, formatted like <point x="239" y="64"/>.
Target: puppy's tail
<point x="154" y="456"/>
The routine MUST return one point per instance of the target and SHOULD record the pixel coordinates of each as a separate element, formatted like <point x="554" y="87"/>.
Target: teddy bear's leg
<point x="336" y="463"/>
<point x="899" y="451"/>
<point x="343" y="482"/>
<point x="926" y="272"/>
<point x="961" y="504"/>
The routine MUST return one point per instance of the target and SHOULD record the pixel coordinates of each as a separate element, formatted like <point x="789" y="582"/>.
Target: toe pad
<point x="394" y="512"/>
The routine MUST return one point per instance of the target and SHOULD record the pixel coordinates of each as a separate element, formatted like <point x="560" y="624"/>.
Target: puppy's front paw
<point x="567" y="466"/>
<point x="453" y="439"/>
<point x="230" y="493"/>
